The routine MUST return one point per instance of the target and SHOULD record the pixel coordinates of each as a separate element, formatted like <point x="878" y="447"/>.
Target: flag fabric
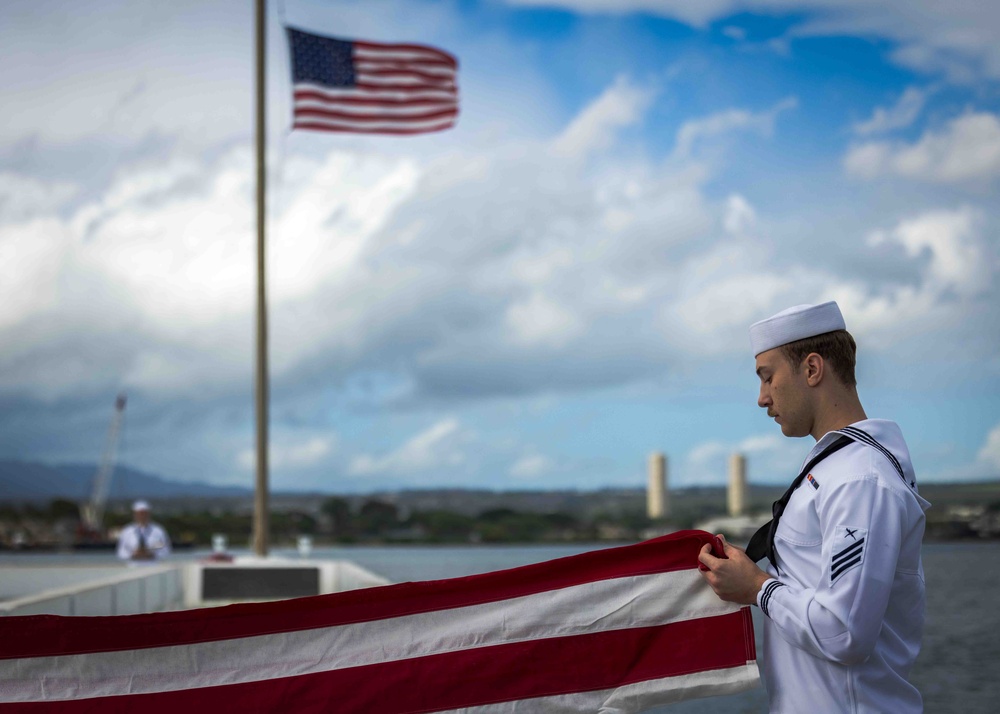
<point x="615" y="630"/>
<point x="370" y="87"/>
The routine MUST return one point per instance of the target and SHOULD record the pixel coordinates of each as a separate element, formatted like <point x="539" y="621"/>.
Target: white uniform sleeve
<point x="840" y="618"/>
<point x="125" y="545"/>
<point x="161" y="546"/>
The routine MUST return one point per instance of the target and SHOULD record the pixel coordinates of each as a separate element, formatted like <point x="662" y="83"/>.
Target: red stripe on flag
<point x="311" y="94"/>
<point x="422" y="87"/>
<point x="363" y="64"/>
<point x="368" y="116"/>
<point x="360" y="130"/>
<point x="49" y="635"/>
<point x="429" y="77"/>
<point x="370" y="49"/>
<point x="485" y="675"/>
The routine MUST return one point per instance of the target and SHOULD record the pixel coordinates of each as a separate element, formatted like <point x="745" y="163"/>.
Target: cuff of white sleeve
<point x="765" y="593"/>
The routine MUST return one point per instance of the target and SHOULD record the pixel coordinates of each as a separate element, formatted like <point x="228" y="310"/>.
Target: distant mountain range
<point x="35" y="482"/>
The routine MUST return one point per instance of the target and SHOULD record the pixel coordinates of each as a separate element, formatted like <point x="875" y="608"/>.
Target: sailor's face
<point x="784" y="393"/>
<point x="141" y="517"/>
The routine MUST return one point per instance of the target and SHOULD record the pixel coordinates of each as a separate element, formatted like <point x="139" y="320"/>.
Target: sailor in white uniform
<point x="843" y="589"/>
<point x="142" y="540"/>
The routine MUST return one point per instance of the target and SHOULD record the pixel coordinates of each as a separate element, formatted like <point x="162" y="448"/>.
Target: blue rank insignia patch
<point x="848" y="550"/>
<point x="812" y="481"/>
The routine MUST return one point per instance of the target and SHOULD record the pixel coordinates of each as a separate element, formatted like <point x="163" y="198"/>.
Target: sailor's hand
<point x="734" y="578"/>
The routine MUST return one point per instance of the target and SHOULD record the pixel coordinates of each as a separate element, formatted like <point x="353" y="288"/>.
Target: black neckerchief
<point x="762" y="542"/>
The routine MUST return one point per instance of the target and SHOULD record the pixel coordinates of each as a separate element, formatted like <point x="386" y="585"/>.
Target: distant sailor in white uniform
<point x="843" y="589"/>
<point x="142" y="540"/>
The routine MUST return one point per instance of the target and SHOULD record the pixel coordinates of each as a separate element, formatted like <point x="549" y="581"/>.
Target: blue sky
<point x="536" y="299"/>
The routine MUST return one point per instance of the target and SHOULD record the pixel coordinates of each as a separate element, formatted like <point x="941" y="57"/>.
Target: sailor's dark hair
<point x="837" y="349"/>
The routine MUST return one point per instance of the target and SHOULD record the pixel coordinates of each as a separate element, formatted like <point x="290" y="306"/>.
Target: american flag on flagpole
<point x="616" y="630"/>
<point x="370" y="87"/>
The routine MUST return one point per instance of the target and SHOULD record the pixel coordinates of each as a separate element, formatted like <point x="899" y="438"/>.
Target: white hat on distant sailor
<point x="795" y="323"/>
<point x="140" y="506"/>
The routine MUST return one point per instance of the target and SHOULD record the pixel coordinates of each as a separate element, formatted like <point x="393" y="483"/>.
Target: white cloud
<point x="293" y="453"/>
<point x="771" y="458"/>
<point x="359" y="192"/>
<point x="550" y="277"/>
<point x="734" y="32"/>
<point x="706" y="452"/>
<point x="695" y="131"/>
<point x="984" y="466"/>
<point x="724" y="289"/>
<point x="531" y="467"/>
<point x="990" y="451"/>
<point x="24" y="197"/>
<point x="957" y="39"/>
<point x="32" y="255"/>
<point x="958" y="263"/>
<point x="760" y="443"/>
<point x="929" y="57"/>
<point x="621" y="105"/>
<point x="160" y="265"/>
<point x="948" y="306"/>
<point x="727" y="304"/>
<point x="540" y="321"/>
<point x="967" y="149"/>
<point x="697" y="14"/>
<point x="740" y="217"/>
<point x="150" y="281"/>
<point x="438" y="447"/>
<point x="868" y="160"/>
<point x="145" y="86"/>
<point x="903" y="113"/>
<point x="184" y="258"/>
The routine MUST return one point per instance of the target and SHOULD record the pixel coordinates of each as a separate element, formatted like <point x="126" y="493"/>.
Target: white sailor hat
<point x="140" y="506"/>
<point x="795" y="323"/>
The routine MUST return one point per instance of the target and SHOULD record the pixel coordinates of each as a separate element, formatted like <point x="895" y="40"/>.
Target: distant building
<point x="736" y="496"/>
<point x="657" y="499"/>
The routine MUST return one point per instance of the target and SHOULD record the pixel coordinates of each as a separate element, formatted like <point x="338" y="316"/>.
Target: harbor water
<point x="956" y="670"/>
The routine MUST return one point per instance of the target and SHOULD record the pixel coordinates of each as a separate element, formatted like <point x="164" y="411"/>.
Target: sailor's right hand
<point x="734" y="578"/>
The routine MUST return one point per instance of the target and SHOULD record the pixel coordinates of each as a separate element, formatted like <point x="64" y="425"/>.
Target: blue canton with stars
<point x="320" y="60"/>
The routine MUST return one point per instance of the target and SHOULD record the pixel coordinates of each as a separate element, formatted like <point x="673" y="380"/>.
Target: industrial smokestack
<point x="737" y="493"/>
<point x="657" y="503"/>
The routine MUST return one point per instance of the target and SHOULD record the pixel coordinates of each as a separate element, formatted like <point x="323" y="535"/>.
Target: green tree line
<point x="373" y="521"/>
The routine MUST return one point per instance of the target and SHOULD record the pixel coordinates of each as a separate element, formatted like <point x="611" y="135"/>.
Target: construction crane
<point x="93" y="512"/>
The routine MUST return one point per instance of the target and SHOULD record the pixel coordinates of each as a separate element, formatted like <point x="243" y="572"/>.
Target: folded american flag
<point x="615" y="630"/>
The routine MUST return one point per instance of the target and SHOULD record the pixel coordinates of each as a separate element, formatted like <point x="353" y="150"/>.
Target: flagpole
<point x="260" y="511"/>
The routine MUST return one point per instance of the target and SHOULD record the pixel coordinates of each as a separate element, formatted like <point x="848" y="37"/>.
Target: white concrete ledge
<point x="133" y="590"/>
<point x="151" y="588"/>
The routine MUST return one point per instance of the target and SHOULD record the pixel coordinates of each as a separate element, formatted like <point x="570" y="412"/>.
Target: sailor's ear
<point x="814" y="367"/>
